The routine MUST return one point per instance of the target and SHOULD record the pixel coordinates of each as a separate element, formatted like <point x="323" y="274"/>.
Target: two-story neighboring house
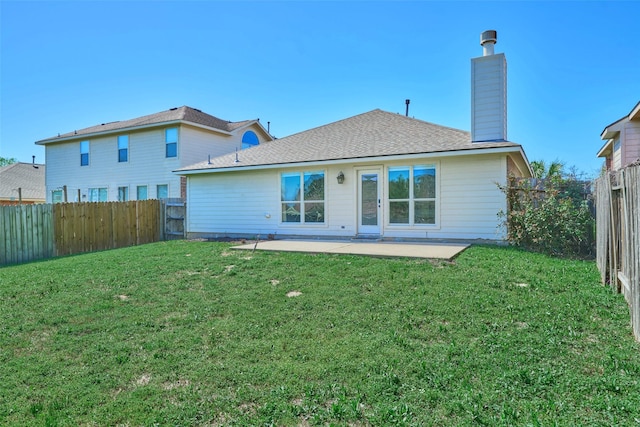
<point x="623" y="141"/>
<point x="134" y="159"/>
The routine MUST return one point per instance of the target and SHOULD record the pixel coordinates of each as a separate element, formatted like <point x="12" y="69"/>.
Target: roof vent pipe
<point x="407" y="101"/>
<point x="487" y="40"/>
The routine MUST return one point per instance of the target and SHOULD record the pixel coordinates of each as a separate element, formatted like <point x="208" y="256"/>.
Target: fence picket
<point x="30" y="232"/>
<point x="618" y="236"/>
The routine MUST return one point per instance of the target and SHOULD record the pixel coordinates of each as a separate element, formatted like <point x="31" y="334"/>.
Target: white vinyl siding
<point x="146" y="164"/>
<point x="470" y="199"/>
<point x="248" y="202"/>
<point x="631" y="150"/>
<point x="489" y="98"/>
<point x="203" y="144"/>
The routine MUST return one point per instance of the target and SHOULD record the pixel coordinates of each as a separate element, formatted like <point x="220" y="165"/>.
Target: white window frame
<point x="412" y="199"/>
<point x="123" y="144"/>
<point x="95" y="194"/>
<point x="167" y="143"/>
<point x="158" y="187"/>
<point x="123" y="193"/>
<point x="86" y="152"/>
<point x="302" y="201"/>
<point x="57" y="196"/>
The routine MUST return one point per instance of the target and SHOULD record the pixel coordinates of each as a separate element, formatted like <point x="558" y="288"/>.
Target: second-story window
<point x="171" y="142"/>
<point x="84" y="153"/>
<point x="123" y="148"/>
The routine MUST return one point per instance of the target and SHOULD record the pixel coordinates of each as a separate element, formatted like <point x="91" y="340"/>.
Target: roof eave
<point x="635" y="112"/>
<point x="262" y="129"/>
<point x="129" y="129"/>
<point x="606" y="149"/>
<point x="438" y="154"/>
<point x="198" y="125"/>
<point x="609" y="133"/>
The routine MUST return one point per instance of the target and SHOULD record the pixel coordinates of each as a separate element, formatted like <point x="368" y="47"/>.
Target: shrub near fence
<point x="31" y="232"/>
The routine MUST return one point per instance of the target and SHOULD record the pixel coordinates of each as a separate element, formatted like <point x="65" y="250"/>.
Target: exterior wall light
<point x="340" y="178"/>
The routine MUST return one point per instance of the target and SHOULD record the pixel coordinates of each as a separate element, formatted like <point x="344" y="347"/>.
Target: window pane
<point x="172" y="150"/>
<point x="123" y="194"/>
<point x="291" y="212"/>
<point x="425" y="212"/>
<point x="290" y="187"/>
<point x="314" y="212"/>
<point x="314" y="185"/>
<point x="369" y="199"/>
<point x="123" y="148"/>
<point x="399" y="212"/>
<point x="424" y="182"/>
<point x="84" y="153"/>
<point x="399" y="183"/>
<point x="249" y="139"/>
<point x="141" y="192"/>
<point x="97" y="194"/>
<point x="56" y="196"/>
<point x="171" y="135"/>
<point x="162" y="191"/>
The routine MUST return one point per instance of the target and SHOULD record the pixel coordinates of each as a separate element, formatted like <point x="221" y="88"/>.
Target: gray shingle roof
<point x="373" y="134"/>
<point x="25" y="176"/>
<point x="184" y="113"/>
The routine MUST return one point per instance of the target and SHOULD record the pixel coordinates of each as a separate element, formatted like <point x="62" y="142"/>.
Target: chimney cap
<point x="489" y="36"/>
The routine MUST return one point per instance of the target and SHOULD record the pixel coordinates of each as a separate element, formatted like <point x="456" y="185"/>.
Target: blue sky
<point x="573" y="67"/>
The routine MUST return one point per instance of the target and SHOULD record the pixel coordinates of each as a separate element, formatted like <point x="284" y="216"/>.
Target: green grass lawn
<point x="194" y="333"/>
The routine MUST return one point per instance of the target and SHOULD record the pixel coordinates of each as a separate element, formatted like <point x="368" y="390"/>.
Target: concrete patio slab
<point x="381" y="249"/>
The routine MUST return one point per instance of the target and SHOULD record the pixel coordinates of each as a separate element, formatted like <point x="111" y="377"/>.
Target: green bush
<point x="555" y="220"/>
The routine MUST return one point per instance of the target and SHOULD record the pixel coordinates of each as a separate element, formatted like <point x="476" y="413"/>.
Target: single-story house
<point x="376" y="174"/>
<point x="622" y="138"/>
<point x="22" y="183"/>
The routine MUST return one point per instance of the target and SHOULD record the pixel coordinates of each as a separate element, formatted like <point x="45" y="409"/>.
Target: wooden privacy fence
<point x="31" y="232"/>
<point x="618" y="236"/>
